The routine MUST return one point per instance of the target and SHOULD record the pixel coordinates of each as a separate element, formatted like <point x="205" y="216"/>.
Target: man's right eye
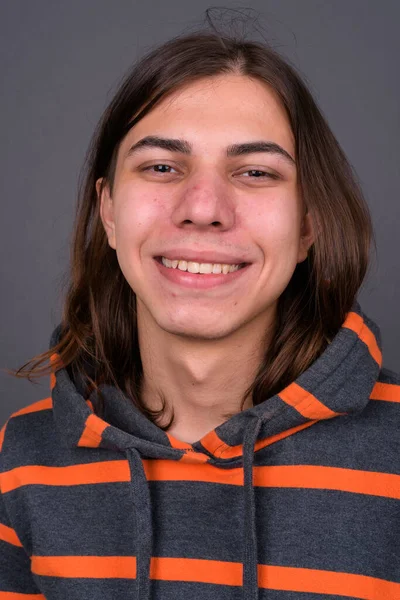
<point x="158" y="165"/>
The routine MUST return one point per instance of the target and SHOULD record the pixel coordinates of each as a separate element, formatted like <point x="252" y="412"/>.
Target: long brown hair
<point x="98" y="334"/>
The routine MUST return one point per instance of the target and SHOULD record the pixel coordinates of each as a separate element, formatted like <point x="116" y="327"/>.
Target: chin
<point x="198" y="330"/>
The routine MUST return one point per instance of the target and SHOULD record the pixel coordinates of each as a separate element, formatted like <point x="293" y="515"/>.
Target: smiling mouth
<point x="197" y="268"/>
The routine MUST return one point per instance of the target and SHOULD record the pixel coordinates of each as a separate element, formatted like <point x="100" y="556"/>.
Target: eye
<point x="149" y="168"/>
<point x="259" y="174"/>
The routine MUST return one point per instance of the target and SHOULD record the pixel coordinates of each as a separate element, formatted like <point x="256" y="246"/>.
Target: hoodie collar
<point x="339" y="382"/>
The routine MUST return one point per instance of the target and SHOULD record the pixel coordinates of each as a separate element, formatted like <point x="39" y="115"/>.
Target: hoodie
<point x="295" y="498"/>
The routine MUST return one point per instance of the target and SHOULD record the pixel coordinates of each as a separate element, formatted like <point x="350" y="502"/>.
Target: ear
<point x="307" y="237"/>
<point x="106" y="211"/>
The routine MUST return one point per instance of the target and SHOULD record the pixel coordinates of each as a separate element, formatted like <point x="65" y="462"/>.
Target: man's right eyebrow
<point x="184" y="147"/>
<point x="152" y="141"/>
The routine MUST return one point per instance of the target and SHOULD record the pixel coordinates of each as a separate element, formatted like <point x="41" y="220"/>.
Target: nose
<point x="205" y="203"/>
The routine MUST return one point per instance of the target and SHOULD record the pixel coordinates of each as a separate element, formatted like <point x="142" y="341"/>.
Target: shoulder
<point x="24" y="431"/>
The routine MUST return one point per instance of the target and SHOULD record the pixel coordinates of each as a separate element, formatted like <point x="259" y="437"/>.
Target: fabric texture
<point x="295" y="498"/>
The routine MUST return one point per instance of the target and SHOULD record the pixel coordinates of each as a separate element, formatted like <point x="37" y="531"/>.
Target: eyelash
<point x="265" y="176"/>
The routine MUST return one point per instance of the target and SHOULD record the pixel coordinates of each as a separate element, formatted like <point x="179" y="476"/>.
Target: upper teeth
<point x="194" y="267"/>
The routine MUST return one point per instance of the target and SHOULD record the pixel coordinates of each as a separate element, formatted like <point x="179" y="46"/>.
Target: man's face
<point x="209" y="208"/>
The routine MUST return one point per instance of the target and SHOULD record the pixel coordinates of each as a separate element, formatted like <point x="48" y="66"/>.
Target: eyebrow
<point x="184" y="147"/>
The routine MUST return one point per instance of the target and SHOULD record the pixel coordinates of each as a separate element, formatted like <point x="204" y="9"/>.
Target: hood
<point x="338" y="383"/>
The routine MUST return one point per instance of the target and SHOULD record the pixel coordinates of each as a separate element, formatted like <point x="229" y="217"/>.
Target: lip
<point x="200" y="281"/>
<point x="206" y="256"/>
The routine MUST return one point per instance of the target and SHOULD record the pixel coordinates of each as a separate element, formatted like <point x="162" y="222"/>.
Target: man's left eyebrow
<point x="184" y="147"/>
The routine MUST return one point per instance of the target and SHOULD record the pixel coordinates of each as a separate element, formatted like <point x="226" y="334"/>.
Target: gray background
<point x="60" y="65"/>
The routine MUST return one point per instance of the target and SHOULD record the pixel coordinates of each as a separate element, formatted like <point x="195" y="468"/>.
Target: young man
<point x="202" y="331"/>
<point x="220" y="424"/>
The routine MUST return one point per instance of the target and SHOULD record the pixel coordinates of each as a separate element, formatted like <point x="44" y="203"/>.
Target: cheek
<point x="276" y="232"/>
<point x="137" y="212"/>
<point x="135" y="215"/>
<point x="275" y="226"/>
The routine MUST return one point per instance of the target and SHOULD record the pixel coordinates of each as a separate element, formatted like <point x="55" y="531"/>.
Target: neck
<point x="203" y="381"/>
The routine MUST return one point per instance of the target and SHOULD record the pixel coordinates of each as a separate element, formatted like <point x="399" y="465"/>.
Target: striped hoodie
<point x="295" y="498"/>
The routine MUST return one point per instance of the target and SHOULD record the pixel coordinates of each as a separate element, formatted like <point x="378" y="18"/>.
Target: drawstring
<point x="250" y="561"/>
<point x="141" y="494"/>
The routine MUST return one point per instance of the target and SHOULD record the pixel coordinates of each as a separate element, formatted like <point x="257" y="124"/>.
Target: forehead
<point x="215" y="112"/>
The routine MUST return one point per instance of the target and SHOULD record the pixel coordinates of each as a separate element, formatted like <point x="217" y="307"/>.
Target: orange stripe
<point x="305" y="403"/>
<point x="220" y="449"/>
<point x="357" y="324"/>
<point x="45" y="404"/>
<point x="213" y="443"/>
<point x="100" y="472"/>
<point x="2" y="432"/>
<point x="298" y="476"/>
<point x="52" y="381"/>
<point x="55" y="361"/>
<point x="91" y="436"/>
<point x="326" y="582"/>
<point x="219" y="573"/>
<point x="193" y="457"/>
<point x="371" y="483"/>
<point x="329" y="478"/>
<point x="388" y="392"/>
<point x="196" y="569"/>
<point x="96" y="567"/>
<point x="7" y="534"/>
